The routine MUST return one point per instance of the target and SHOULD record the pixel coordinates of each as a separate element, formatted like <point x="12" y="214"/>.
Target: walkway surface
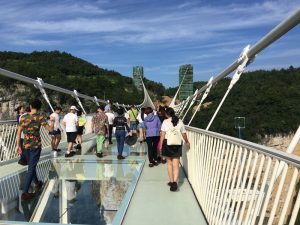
<point x="154" y="204"/>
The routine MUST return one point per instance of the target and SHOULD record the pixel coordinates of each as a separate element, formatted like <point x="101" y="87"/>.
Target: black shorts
<point x="71" y="137"/>
<point x="80" y="130"/>
<point x="55" y="132"/>
<point x="171" y="151"/>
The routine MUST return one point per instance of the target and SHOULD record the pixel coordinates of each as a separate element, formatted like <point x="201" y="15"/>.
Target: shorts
<point x="55" y="132"/>
<point x="141" y="125"/>
<point x="171" y="151"/>
<point x="71" y="137"/>
<point x="133" y="125"/>
<point x="80" y="130"/>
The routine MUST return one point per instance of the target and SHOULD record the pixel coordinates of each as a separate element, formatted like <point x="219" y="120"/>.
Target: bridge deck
<point x="153" y="202"/>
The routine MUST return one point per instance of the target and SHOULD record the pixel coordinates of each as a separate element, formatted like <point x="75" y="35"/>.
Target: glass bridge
<point x="223" y="180"/>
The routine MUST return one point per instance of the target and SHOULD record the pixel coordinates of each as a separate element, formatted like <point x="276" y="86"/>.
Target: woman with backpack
<point x="172" y="132"/>
<point x="120" y="122"/>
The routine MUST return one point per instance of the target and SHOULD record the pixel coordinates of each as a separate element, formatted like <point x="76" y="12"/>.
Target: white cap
<point x="73" y="107"/>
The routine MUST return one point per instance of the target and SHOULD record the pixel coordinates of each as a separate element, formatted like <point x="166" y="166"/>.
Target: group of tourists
<point x="157" y="128"/>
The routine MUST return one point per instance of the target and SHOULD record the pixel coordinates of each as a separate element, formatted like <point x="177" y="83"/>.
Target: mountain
<point x="64" y="70"/>
<point x="269" y="101"/>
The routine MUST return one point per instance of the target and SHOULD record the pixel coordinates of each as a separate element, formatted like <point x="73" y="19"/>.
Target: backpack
<point x="174" y="137"/>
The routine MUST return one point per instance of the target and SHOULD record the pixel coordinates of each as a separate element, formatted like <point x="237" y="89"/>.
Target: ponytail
<point x="171" y="113"/>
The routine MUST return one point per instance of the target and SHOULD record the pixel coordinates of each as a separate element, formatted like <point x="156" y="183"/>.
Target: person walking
<point x="56" y="133"/>
<point x="22" y="161"/>
<point x="133" y="113"/>
<point x="172" y="127"/>
<point x="120" y="123"/>
<point x="81" y="123"/>
<point x="152" y="125"/>
<point x="100" y="127"/>
<point x="70" y="122"/>
<point x="30" y="125"/>
<point x="141" y="126"/>
<point x="161" y="113"/>
<point x="111" y="116"/>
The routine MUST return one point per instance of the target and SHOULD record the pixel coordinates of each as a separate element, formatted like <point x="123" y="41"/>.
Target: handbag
<point x="174" y="137"/>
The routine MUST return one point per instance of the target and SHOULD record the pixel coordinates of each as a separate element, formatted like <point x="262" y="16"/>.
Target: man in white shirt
<point x="71" y="122"/>
<point x="56" y="133"/>
<point x="110" y="115"/>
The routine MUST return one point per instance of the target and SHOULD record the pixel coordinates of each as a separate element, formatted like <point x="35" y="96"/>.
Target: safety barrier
<point x="239" y="182"/>
<point x="8" y="131"/>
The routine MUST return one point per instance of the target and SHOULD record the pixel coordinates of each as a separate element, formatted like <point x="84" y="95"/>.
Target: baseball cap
<point x="73" y="107"/>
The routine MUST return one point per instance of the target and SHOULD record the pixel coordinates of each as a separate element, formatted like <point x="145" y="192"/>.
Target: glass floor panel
<point x="77" y="191"/>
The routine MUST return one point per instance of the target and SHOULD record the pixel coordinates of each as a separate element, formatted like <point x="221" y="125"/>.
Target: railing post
<point x="243" y="60"/>
<point x="96" y="100"/>
<point x="209" y="85"/>
<point x="39" y="85"/>
<point x="78" y="100"/>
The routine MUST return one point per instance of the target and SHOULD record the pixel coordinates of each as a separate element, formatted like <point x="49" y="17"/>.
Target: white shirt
<point x="110" y="117"/>
<point x="139" y="117"/>
<point x="57" y="121"/>
<point x="126" y="115"/>
<point x="167" y="125"/>
<point x="71" y="121"/>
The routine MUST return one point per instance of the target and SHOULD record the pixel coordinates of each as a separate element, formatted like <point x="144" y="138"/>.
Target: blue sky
<point x="160" y="35"/>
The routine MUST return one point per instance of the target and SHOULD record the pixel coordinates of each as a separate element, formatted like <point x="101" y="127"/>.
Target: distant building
<point x="138" y="75"/>
<point x="186" y="73"/>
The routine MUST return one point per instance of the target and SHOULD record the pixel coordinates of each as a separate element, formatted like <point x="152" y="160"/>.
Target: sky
<point x="159" y="35"/>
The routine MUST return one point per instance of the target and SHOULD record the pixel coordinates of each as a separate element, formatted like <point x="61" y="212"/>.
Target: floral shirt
<point x="98" y="123"/>
<point x="31" y="125"/>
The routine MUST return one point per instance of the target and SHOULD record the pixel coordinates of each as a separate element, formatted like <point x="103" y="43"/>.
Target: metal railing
<point x="239" y="182"/>
<point x="8" y="131"/>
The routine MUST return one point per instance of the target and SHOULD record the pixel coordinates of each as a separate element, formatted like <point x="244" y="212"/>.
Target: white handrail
<point x="235" y="180"/>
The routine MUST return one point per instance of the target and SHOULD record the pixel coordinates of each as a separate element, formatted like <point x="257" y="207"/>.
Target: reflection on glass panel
<point x="77" y="191"/>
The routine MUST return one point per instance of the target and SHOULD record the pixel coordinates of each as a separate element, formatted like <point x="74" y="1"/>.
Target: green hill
<point x="269" y="100"/>
<point x="64" y="70"/>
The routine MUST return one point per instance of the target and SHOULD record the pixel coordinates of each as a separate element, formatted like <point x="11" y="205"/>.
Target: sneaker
<point x="120" y="157"/>
<point x="22" y="162"/>
<point x="39" y="186"/>
<point x="170" y="183"/>
<point x="163" y="161"/>
<point x="155" y="163"/>
<point x="68" y="154"/>
<point x="27" y="196"/>
<point x="78" y="146"/>
<point x="73" y="153"/>
<point x="151" y="165"/>
<point x="99" y="155"/>
<point x="174" y="186"/>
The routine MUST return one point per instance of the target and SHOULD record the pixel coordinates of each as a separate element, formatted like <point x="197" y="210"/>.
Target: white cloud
<point x="196" y="23"/>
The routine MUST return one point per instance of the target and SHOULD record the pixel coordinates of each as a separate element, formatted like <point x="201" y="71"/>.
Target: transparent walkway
<point x="87" y="190"/>
<point x="154" y="204"/>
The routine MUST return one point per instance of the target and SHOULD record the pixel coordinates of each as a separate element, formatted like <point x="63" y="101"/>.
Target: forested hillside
<point x="64" y="70"/>
<point x="269" y="100"/>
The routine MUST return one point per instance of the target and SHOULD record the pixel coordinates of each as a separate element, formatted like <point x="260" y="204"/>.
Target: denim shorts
<point x="133" y="125"/>
<point x="141" y="125"/>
